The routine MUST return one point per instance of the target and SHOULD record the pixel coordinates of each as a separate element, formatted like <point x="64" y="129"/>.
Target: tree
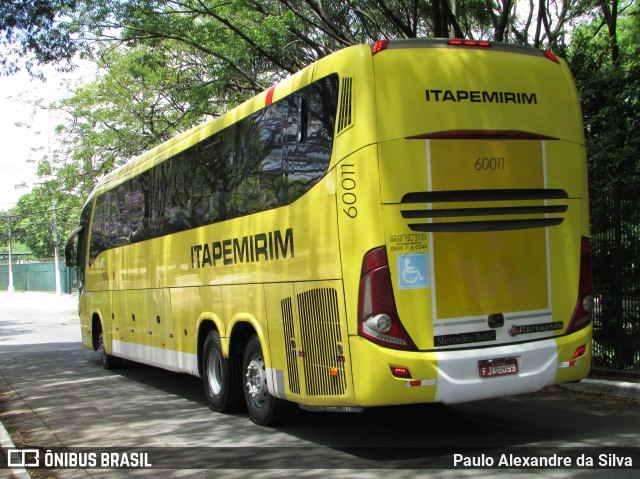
<point x="7" y="217"/>
<point x="30" y="31"/>
<point x="277" y="35"/>
<point x="32" y="219"/>
<point x="168" y="64"/>
<point x="605" y="62"/>
<point x="143" y="96"/>
<point x="606" y="68"/>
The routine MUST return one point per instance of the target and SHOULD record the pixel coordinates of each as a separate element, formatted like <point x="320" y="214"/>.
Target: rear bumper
<point x="453" y="376"/>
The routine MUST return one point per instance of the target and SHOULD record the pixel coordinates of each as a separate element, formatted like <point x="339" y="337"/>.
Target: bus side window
<point x="100" y="227"/>
<point x="266" y="160"/>
<point x="308" y="153"/>
<point x="294" y="129"/>
<point x="301" y="103"/>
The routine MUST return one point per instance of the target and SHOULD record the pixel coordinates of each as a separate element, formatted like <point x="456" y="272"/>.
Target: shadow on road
<point x="140" y="405"/>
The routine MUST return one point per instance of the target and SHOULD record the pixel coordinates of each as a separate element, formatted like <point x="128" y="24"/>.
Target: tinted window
<point x="267" y="160"/>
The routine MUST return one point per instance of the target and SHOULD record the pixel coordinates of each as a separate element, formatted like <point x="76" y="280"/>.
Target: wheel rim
<point x="256" y="381"/>
<point x="214" y="372"/>
<point x="101" y="350"/>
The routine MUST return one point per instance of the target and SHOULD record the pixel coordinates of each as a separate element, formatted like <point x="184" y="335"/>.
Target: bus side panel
<point x="98" y="303"/>
<point x="96" y="299"/>
<point x="84" y="308"/>
<point x="567" y="169"/>
<point x="143" y="327"/>
<point x="284" y="371"/>
<point x="246" y="304"/>
<point x="128" y="315"/>
<point x="360" y="221"/>
<point x="190" y="308"/>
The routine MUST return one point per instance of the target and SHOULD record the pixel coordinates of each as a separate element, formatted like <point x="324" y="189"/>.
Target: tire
<point x="108" y="361"/>
<point x="221" y="377"/>
<point x="264" y="409"/>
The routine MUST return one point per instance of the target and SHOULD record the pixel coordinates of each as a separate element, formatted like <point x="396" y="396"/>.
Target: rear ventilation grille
<point x="321" y="340"/>
<point x="534" y="215"/>
<point x="345" y="119"/>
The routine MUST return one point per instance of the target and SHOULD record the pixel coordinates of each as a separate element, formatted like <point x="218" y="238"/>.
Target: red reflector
<point x="579" y="351"/>
<point x="400" y="372"/>
<point x="269" y="99"/>
<point x="551" y="56"/>
<point x="468" y="43"/>
<point x="379" y="46"/>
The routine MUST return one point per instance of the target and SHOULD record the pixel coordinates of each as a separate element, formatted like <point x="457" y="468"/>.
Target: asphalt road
<point x="54" y="394"/>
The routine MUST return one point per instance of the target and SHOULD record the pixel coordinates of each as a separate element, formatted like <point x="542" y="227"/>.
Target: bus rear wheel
<point x="264" y="409"/>
<point x="221" y="376"/>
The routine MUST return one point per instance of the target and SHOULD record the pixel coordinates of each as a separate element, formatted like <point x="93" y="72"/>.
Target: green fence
<point x="36" y="277"/>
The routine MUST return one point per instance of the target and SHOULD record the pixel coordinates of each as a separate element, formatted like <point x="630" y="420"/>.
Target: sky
<point x="24" y="128"/>
<point x="15" y="141"/>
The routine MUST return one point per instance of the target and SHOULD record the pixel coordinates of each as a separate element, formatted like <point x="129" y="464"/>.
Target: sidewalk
<point x="602" y="387"/>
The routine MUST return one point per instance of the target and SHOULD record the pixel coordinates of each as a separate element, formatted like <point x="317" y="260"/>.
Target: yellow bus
<point x="398" y="223"/>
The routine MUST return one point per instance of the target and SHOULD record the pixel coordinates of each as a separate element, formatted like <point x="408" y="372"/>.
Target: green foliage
<point x="32" y="220"/>
<point x="610" y="97"/>
<point x="30" y="31"/>
<point x="165" y="65"/>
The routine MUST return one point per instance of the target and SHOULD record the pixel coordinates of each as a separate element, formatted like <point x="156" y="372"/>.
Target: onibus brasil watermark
<point x="36" y="458"/>
<point x="317" y="457"/>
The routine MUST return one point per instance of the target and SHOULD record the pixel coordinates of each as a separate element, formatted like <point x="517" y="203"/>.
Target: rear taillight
<point x="468" y="43"/>
<point x="584" y="305"/>
<point x="379" y="46"/>
<point x="551" y="56"/>
<point x="580" y="350"/>
<point x="378" y="319"/>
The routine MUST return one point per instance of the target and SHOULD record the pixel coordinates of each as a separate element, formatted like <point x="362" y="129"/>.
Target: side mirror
<point x="70" y="250"/>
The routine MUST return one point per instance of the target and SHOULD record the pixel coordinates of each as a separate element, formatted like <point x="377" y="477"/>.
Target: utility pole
<point x="56" y="264"/>
<point x="10" y="287"/>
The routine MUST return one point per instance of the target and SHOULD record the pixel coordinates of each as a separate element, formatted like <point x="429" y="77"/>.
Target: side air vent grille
<point x="321" y="341"/>
<point x="345" y="112"/>
<point x="531" y="211"/>
<point x="290" y="344"/>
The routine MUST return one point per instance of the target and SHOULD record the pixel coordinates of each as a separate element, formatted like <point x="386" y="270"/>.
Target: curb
<point x="600" y="387"/>
<point x="7" y="443"/>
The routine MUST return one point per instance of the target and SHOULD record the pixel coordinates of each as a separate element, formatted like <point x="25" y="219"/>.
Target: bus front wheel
<point x="221" y="376"/>
<point x="264" y="409"/>
<point x="108" y="361"/>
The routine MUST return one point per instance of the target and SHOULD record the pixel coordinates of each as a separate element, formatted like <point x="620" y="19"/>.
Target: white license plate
<point x="491" y="368"/>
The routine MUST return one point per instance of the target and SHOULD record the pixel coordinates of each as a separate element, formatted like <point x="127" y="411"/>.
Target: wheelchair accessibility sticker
<point x="413" y="271"/>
